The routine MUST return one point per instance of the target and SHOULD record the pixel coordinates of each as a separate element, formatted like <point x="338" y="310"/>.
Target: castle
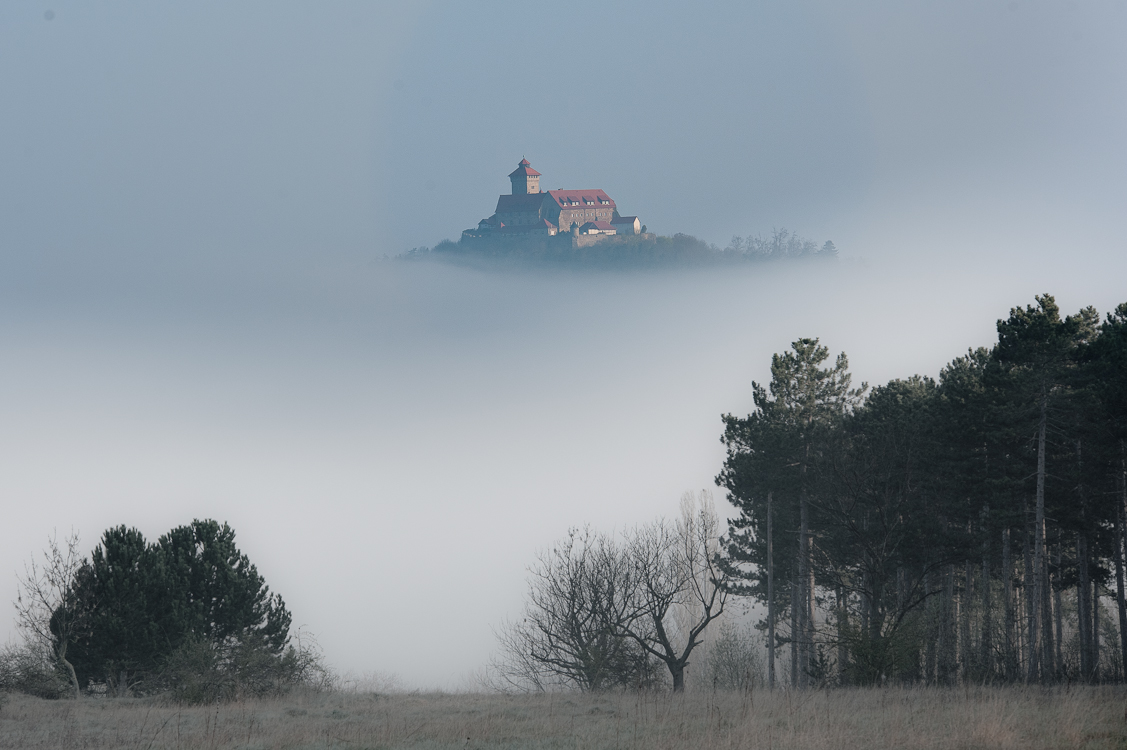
<point x="587" y="215"/>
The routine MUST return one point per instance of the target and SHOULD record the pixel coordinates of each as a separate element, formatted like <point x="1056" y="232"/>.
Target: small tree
<point x="572" y="630"/>
<point x="193" y="586"/>
<point x="600" y="615"/>
<point x="50" y="608"/>
<point x="734" y="660"/>
<point x="679" y="588"/>
<point x="31" y="668"/>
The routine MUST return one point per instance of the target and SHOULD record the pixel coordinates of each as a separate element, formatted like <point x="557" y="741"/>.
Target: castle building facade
<point x="532" y="211"/>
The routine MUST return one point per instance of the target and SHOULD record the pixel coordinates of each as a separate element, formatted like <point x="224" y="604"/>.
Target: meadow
<point x="904" y="718"/>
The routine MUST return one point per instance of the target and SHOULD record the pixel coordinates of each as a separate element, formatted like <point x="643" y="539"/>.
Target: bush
<point x="734" y="661"/>
<point x="145" y="601"/>
<point x="201" y="671"/>
<point x="25" y="668"/>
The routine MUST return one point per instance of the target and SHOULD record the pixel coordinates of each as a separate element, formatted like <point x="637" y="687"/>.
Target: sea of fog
<point x="394" y="441"/>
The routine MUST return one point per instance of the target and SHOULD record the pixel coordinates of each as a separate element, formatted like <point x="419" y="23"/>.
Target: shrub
<point x="26" y="668"/>
<point x="734" y="661"/>
<point x="201" y="671"/>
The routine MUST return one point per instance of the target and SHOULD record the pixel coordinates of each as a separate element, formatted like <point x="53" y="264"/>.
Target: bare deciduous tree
<point x="679" y="587"/>
<point x="600" y="615"/>
<point x="572" y="631"/>
<point x="47" y="609"/>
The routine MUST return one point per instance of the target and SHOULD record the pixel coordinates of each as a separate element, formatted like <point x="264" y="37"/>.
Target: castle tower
<point x="525" y="179"/>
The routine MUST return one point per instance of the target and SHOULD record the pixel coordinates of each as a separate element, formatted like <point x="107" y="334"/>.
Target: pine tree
<point x="775" y="451"/>
<point x="192" y="586"/>
<point x="1033" y="370"/>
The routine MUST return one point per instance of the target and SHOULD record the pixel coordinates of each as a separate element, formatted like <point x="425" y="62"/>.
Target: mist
<point x="198" y="316"/>
<point x="393" y="448"/>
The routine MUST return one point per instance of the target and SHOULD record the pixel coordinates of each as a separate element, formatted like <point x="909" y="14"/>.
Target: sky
<point x="199" y="317"/>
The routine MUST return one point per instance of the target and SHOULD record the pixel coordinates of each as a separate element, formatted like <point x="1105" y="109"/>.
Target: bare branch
<point x="47" y="609"/>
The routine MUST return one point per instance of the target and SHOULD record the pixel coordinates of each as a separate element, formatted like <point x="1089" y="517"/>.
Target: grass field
<point x="1080" y="717"/>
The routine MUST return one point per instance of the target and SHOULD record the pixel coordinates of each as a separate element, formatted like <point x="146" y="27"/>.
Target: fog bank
<point x="393" y="442"/>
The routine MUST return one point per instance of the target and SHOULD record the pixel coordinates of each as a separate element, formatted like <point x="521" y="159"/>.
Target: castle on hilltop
<point x="587" y="215"/>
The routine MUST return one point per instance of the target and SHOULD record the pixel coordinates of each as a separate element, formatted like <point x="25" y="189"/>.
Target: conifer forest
<point x="967" y="529"/>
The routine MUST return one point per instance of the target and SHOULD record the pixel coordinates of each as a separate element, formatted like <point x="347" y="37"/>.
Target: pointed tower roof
<point x="524" y="168"/>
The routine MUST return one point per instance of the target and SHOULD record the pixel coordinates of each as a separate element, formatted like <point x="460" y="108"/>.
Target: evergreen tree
<point x="944" y="526"/>
<point x="774" y="452"/>
<point x="128" y="632"/>
<point x="212" y="590"/>
<point x="882" y="533"/>
<point x="1033" y="370"/>
<point x="147" y="601"/>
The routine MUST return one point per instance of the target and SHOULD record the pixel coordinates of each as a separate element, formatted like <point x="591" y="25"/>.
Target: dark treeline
<point x="625" y="251"/>
<point x="967" y="529"/>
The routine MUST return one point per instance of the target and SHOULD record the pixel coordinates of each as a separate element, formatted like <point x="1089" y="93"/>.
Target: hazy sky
<point x="196" y="320"/>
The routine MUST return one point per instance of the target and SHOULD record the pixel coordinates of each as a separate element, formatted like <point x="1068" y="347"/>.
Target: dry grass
<point x="893" y="718"/>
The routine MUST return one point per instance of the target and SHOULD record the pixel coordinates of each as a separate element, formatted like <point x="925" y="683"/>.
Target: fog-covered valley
<point x="393" y="442"/>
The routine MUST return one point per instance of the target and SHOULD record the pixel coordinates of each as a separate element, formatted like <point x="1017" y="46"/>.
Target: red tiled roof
<point x="524" y="168"/>
<point x="563" y="198"/>
<point x="602" y="226"/>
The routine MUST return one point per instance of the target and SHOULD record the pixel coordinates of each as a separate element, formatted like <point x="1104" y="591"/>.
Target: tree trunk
<point x="794" y="608"/>
<point x="1095" y="632"/>
<point x="1058" y="613"/>
<point x="866" y="610"/>
<point x="947" y="646"/>
<point x="809" y="616"/>
<point x="941" y="635"/>
<point x="986" y="642"/>
<point x="1048" y="662"/>
<point x="61" y="653"/>
<point x="1095" y="639"/>
<point x="73" y="679"/>
<point x="121" y="689"/>
<point x="901" y="602"/>
<point x="929" y="649"/>
<point x="678" y="673"/>
<point x="964" y="622"/>
<point x="1035" y="595"/>
<point x="1082" y="583"/>
<point x="1083" y="608"/>
<point x="1010" y="655"/>
<point x="1094" y="623"/>
<point x="842" y="648"/>
<point x="1120" y="602"/>
<point x="874" y="632"/>
<point x="770" y="598"/>
<point x="1029" y="587"/>
<point x="804" y="583"/>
